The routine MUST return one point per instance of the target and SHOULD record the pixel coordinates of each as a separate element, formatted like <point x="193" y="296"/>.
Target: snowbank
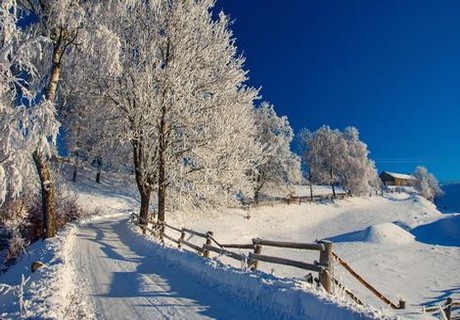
<point x="51" y="292"/>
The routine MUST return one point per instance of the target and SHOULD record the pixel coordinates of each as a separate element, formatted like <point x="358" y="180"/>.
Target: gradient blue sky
<point x="391" y="68"/>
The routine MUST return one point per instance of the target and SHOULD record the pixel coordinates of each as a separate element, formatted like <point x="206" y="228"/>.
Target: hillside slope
<point x="115" y="271"/>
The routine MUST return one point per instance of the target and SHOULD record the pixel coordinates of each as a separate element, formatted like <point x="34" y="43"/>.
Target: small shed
<point x="397" y="179"/>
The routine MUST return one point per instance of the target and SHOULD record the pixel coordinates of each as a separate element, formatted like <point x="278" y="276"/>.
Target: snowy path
<point x="125" y="280"/>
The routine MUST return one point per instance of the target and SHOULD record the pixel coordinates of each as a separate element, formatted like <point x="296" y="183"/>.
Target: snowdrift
<point x="387" y="233"/>
<point x="383" y="233"/>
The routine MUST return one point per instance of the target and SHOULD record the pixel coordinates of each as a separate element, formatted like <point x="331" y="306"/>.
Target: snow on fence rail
<point x="445" y="310"/>
<point x="325" y="266"/>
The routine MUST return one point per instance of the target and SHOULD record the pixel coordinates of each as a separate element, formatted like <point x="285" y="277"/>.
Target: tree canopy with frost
<point x="280" y="166"/>
<point x="185" y="109"/>
<point x="427" y="184"/>
<point x="334" y="158"/>
<point x="25" y="125"/>
<point x="31" y="65"/>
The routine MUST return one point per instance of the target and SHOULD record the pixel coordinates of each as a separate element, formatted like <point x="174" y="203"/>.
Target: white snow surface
<point x="104" y="269"/>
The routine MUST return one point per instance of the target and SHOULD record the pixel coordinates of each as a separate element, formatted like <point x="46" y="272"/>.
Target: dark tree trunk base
<point x="47" y="190"/>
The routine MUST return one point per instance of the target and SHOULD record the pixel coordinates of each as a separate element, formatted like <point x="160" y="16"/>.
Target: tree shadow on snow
<point x="161" y="284"/>
<point x="442" y="295"/>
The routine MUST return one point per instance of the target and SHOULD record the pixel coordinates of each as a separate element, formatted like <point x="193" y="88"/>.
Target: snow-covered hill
<point x="400" y="243"/>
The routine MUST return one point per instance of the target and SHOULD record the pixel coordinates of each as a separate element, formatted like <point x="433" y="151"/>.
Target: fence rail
<point x="320" y="197"/>
<point x="252" y="259"/>
<point x="366" y="284"/>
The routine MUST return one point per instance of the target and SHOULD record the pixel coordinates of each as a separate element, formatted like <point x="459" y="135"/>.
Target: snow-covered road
<point x="126" y="280"/>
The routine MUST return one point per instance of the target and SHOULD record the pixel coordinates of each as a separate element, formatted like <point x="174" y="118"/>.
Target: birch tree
<point x="24" y="125"/>
<point x="65" y="24"/>
<point x="280" y="166"/>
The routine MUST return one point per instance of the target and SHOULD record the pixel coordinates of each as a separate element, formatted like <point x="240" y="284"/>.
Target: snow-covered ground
<point x="101" y="268"/>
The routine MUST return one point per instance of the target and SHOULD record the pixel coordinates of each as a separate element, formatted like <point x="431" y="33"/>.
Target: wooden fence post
<point x="325" y="260"/>
<point x="181" y="239"/>
<point x="448" y="309"/>
<point x="402" y="304"/>
<point x="255" y="263"/>
<point x="206" y="252"/>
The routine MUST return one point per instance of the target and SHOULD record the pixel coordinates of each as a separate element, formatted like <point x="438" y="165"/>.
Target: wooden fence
<point x="445" y="310"/>
<point x="322" y="197"/>
<point x="325" y="266"/>
<point x="367" y="285"/>
<point x="252" y="260"/>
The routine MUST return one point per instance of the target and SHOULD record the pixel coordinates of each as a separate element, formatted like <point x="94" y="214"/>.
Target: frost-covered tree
<point x="427" y="184"/>
<point x="186" y="110"/>
<point x="65" y="24"/>
<point x="25" y="125"/>
<point x="334" y="157"/>
<point x="324" y="155"/>
<point x="91" y="136"/>
<point x="58" y="22"/>
<point x="281" y="166"/>
<point x="359" y="174"/>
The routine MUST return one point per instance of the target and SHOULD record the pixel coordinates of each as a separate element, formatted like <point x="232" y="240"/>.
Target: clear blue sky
<point x="389" y="67"/>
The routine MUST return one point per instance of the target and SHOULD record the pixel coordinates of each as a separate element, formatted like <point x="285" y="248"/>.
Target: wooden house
<point x="397" y="179"/>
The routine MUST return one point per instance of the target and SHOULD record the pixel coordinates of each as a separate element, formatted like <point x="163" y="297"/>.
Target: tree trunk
<point x="98" y="174"/>
<point x="74" y="174"/>
<point x="145" y="202"/>
<point x="332" y="185"/>
<point x="162" y="186"/>
<point x="259" y="185"/>
<point x="144" y="189"/>
<point x="256" y="195"/>
<point x="41" y="163"/>
<point x="161" y="200"/>
<point x="55" y="73"/>
<point x="311" y="186"/>
<point x="47" y="189"/>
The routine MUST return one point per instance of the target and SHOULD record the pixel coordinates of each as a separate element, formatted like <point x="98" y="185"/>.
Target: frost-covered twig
<point x="22" y="304"/>
<point x="5" y="288"/>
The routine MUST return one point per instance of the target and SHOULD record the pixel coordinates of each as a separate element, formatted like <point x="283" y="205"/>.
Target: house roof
<point x="400" y="175"/>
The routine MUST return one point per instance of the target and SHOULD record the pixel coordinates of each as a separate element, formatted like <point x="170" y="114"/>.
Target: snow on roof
<point x="400" y="175"/>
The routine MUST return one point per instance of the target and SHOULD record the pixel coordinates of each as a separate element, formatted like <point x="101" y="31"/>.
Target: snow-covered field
<point x="101" y="268"/>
